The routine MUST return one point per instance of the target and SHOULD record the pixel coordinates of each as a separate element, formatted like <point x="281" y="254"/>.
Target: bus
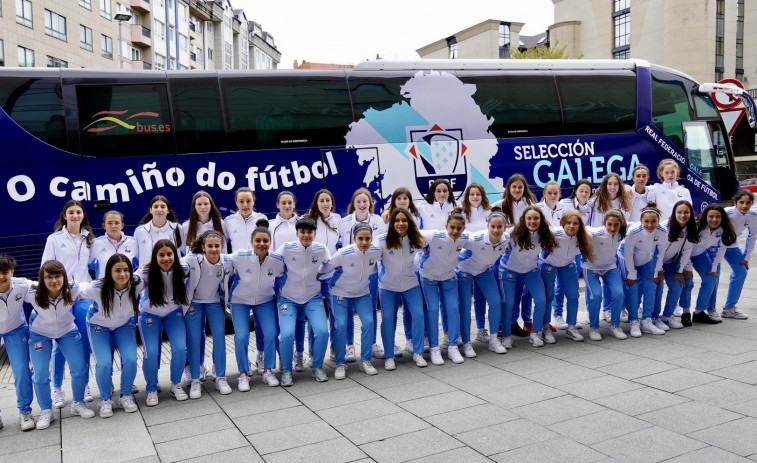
<point x="113" y="138"/>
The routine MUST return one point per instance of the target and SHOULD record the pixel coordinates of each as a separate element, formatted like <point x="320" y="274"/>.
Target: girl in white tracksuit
<point x="439" y="283"/>
<point x="353" y="265"/>
<point x="162" y="307"/>
<point x="611" y="194"/>
<point x="520" y="268"/>
<point x="437" y="205"/>
<point x="398" y="280"/>
<point x="71" y="245"/>
<point x="238" y="227"/>
<point x="669" y="191"/>
<point x="360" y="210"/>
<point x="550" y="203"/>
<point x="641" y="257"/>
<point x="160" y="223"/>
<point x="52" y="319"/>
<point x="203" y="216"/>
<point x="482" y="251"/>
<point x="254" y="275"/>
<point x="641" y="194"/>
<point x="112" y="321"/>
<point x="206" y="291"/>
<point x="742" y="218"/>
<point x="114" y="241"/>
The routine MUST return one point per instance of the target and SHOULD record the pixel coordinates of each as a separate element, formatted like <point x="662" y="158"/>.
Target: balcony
<point x="142" y="6"/>
<point x="141" y="64"/>
<point x="140" y="35"/>
<point x="199" y="9"/>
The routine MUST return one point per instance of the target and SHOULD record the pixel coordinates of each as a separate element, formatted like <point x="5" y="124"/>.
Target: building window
<point x="24" y="12"/>
<point x="227" y="56"/>
<point x="107" y="46"/>
<point x="160" y="61"/>
<point x="2" y="53"/>
<point x="53" y="62"/>
<point x="183" y="42"/>
<point x="210" y="53"/>
<point x="55" y="25"/>
<point x="135" y="54"/>
<point x="25" y="57"/>
<point x="244" y="60"/>
<point x="719" y="38"/>
<point x="85" y="37"/>
<point x="740" y="40"/>
<point x="86" y="4"/>
<point x="504" y="40"/>
<point x="452" y="44"/>
<point x="621" y="18"/>
<point x="105" y="8"/>
<point x="160" y="30"/>
<point x="622" y="54"/>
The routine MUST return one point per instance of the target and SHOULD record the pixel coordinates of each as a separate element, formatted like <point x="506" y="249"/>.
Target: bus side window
<point x="670" y="106"/>
<point x="124" y="120"/>
<point x="521" y="105"/>
<point x="196" y="105"/>
<point x="35" y="103"/>
<point x="598" y="103"/>
<point x="286" y="110"/>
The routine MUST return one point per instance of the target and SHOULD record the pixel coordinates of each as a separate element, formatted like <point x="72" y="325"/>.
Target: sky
<point x="351" y="31"/>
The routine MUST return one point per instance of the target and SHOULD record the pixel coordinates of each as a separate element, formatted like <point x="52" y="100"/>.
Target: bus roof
<point x="502" y="64"/>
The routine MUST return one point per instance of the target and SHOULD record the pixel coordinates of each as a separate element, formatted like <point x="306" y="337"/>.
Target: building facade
<point x="708" y="39"/>
<point x="155" y="34"/>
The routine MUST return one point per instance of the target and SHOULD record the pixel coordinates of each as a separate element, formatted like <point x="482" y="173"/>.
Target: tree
<point x="541" y="52"/>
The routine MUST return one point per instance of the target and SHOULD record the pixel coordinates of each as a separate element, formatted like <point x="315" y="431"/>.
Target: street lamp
<point x="121" y="17"/>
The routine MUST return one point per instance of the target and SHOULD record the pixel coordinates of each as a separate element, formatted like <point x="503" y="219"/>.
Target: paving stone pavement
<point x="687" y="396"/>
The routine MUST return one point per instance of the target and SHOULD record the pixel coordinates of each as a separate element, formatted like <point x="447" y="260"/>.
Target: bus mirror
<point x="102" y="205"/>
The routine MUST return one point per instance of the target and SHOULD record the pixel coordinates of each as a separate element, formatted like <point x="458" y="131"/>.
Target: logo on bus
<point x="109" y="120"/>
<point x="438" y="153"/>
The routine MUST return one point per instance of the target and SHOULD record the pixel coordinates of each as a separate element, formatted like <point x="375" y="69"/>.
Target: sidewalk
<point x="686" y="396"/>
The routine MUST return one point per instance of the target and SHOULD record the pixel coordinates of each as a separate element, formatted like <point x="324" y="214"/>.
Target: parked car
<point x="749" y="184"/>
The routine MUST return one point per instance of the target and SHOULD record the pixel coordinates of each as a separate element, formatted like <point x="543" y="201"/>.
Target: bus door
<point x="707" y="155"/>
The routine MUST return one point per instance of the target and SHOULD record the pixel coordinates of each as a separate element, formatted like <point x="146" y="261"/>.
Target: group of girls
<point x="519" y="258"/>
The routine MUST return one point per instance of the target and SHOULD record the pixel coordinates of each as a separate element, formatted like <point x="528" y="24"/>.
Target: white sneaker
<point x="572" y="333"/>
<point x="127" y="403"/>
<point x="186" y="377"/>
<point x="270" y="379"/>
<point x="444" y="343"/>
<point x="560" y="323"/>
<point x="678" y="312"/>
<point x="27" y="421"/>
<point x="714" y="315"/>
<point x="648" y="327"/>
<point x="409" y="345"/>
<point x="350" y="356"/>
<point x="152" y="399"/>
<point x="579" y="325"/>
<point x="594" y="335"/>
<point x="178" y="392"/>
<point x="340" y="372"/>
<point x="366" y="366"/>
<point x="377" y="351"/>
<point x="535" y="339"/>
<point x="243" y="383"/>
<point x="223" y="386"/>
<point x="436" y="356"/>
<point x="59" y="398"/>
<point x="661" y="325"/>
<point x="426" y="345"/>
<point x="617" y="331"/>
<point x="482" y="335"/>
<point x="87" y="394"/>
<point x="261" y="362"/>
<point x="106" y="408"/>
<point x="80" y="408"/>
<point x="389" y="364"/>
<point x="46" y="417"/>
<point x="299" y="364"/>
<point x="453" y="353"/>
<point x="623" y="315"/>
<point x="397" y="351"/>
<point x="507" y="341"/>
<point x="733" y="313"/>
<point x="495" y="345"/>
<point x="419" y="360"/>
<point x="195" y="389"/>
<point x="547" y="335"/>
<point x="468" y="351"/>
<point x="635" y="329"/>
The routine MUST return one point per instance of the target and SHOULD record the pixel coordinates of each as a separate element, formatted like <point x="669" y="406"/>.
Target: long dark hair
<point x="156" y="292"/>
<point x="583" y="181"/>
<point x="729" y="236"/>
<point x="430" y="194"/>
<point x="467" y="207"/>
<point x="109" y="285"/>
<point x="170" y="216"/>
<point x="507" y="203"/>
<point x="522" y="236"/>
<point x="315" y="213"/>
<point x="399" y="192"/>
<point x="675" y="229"/>
<point x="582" y="236"/>
<point x="215" y="216"/>
<point x="55" y="268"/>
<point x="413" y="235"/>
<point x="196" y="247"/>
<point x="604" y="202"/>
<point x="60" y="224"/>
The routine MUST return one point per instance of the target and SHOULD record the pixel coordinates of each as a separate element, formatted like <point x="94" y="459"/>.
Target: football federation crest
<point x="438" y="153"/>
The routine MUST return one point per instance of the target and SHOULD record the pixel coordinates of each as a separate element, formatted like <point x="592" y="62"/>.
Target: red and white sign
<point x="730" y="107"/>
